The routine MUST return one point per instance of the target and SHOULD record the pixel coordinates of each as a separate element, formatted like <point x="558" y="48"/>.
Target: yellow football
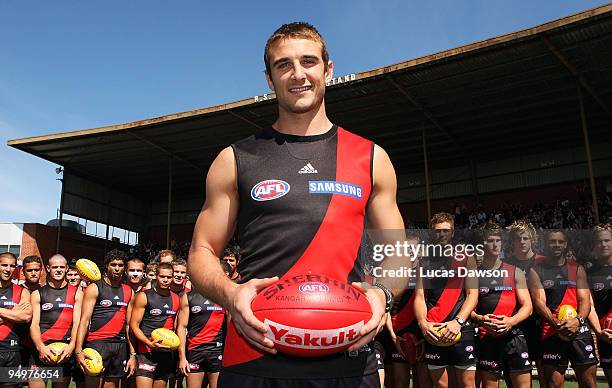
<point x="566" y="312"/>
<point x="167" y="337"/>
<point x="88" y="270"/>
<point x="441" y="330"/>
<point x="57" y="348"/>
<point x="93" y="366"/>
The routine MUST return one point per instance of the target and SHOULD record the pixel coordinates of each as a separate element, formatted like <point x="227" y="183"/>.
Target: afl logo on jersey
<point x="105" y="303"/>
<point x="47" y="306"/>
<point x="548" y="283"/>
<point x="196" y="309"/>
<point x="269" y="189"/>
<point x="156" y="312"/>
<point x="598" y="286"/>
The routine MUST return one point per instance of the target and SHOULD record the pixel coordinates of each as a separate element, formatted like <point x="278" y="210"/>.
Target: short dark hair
<point x="8" y="254"/>
<point x="33" y="259"/>
<point x="232" y="250"/>
<point x="161" y="266"/>
<point x="490" y="228"/>
<point x="295" y="30"/>
<point x="115" y="254"/>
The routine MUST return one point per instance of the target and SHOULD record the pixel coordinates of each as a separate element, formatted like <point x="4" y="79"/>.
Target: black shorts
<point x="10" y="359"/>
<point x="114" y="357"/>
<point x="508" y="353"/>
<point x="157" y="365"/>
<point x="580" y="351"/>
<point x="233" y="380"/>
<point x="463" y="353"/>
<point x="69" y="367"/>
<point x="605" y="354"/>
<point x="531" y="329"/>
<point x="204" y="361"/>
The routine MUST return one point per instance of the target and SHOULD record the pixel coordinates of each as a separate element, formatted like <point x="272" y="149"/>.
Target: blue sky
<point x="68" y="65"/>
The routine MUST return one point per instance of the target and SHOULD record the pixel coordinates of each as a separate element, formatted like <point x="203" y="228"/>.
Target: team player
<point x="56" y="309"/>
<point x="155" y="308"/>
<point x="135" y="271"/>
<point x="179" y="280"/>
<point x="231" y="255"/>
<point x="200" y="329"/>
<point x="600" y="282"/>
<point x="15" y="308"/>
<point x="167" y="256"/>
<point x="104" y="322"/>
<point x="447" y="301"/>
<point x="554" y="281"/>
<point x="32" y="267"/>
<point x="503" y="303"/>
<point x="72" y="276"/>
<point x="301" y="227"/>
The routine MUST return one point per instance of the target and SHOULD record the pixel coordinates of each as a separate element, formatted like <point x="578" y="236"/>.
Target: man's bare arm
<point x="22" y="313"/>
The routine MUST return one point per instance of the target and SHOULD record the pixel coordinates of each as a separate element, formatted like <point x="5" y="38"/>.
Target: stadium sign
<point x="334" y="81"/>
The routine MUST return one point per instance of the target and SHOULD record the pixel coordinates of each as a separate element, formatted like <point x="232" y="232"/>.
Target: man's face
<point x="231" y="260"/>
<point x="492" y="245"/>
<point x="443" y="233"/>
<point x="73" y="277"/>
<point x="57" y="268"/>
<point x="166" y="259"/>
<point x="522" y="242"/>
<point x="297" y="74"/>
<point x="151" y="275"/>
<point x="7" y="267"/>
<point x="32" y="272"/>
<point x="180" y="273"/>
<point x="603" y="244"/>
<point x="556" y="244"/>
<point x="135" y="271"/>
<point x="164" y="278"/>
<point x="114" y="269"/>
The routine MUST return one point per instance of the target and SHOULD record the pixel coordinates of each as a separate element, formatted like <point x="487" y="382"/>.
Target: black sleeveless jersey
<point x="302" y="203"/>
<point x="160" y="311"/>
<point x="402" y="312"/>
<point x="9" y="331"/>
<point x="444" y="290"/>
<point x="205" y="327"/>
<point x="497" y="295"/>
<point x="600" y="283"/>
<point x="559" y="284"/>
<point x="56" y="313"/>
<point x="109" y="314"/>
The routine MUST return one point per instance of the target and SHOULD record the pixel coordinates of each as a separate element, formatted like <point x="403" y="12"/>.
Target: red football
<point x="312" y="315"/>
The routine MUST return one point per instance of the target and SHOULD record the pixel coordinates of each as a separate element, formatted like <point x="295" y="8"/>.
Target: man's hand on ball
<point x="377" y="300"/>
<point x="247" y="325"/>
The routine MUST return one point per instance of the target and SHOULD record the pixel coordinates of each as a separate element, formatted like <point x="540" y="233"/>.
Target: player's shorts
<point x="580" y="351"/>
<point x="114" y="357"/>
<point x="233" y="380"/>
<point x="204" y="361"/>
<point x="386" y="348"/>
<point x="68" y="367"/>
<point x="531" y="329"/>
<point x="157" y="365"/>
<point x="605" y="354"/>
<point x="462" y="354"/>
<point x="10" y="359"/>
<point x="504" y="354"/>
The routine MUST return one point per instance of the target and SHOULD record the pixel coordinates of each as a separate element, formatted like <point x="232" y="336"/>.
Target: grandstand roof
<point x="511" y="94"/>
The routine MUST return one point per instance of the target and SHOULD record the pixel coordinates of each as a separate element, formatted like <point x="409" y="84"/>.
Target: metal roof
<point x="511" y="94"/>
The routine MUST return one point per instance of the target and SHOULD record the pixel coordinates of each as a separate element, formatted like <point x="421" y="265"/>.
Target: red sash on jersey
<point x="63" y="325"/>
<point x="169" y="324"/>
<point x="116" y="323"/>
<point x="449" y="297"/>
<point x="405" y="317"/>
<point x="334" y="247"/>
<point x="6" y="328"/>
<point x="506" y="305"/>
<point x="209" y="331"/>
<point x="569" y="297"/>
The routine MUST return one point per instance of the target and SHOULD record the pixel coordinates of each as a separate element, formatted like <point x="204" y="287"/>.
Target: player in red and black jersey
<point x="56" y="313"/>
<point x="554" y="281"/>
<point x="231" y="255"/>
<point x="105" y="314"/>
<point x="15" y="308"/>
<point x="32" y="268"/>
<point x="180" y="284"/>
<point x="303" y="227"/>
<point x="445" y="299"/>
<point x="135" y="273"/>
<point x="503" y="303"/>
<point x="600" y="283"/>
<point x="201" y="330"/>
<point x="153" y="309"/>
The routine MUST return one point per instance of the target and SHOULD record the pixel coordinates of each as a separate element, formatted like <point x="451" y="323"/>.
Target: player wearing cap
<point x="104" y="317"/>
<point x="554" y="281"/>
<point x="503" y="303"/>
<point x="155" y="308"/>
<point x="298" y="193"/>
<point x="56" y="310"/>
